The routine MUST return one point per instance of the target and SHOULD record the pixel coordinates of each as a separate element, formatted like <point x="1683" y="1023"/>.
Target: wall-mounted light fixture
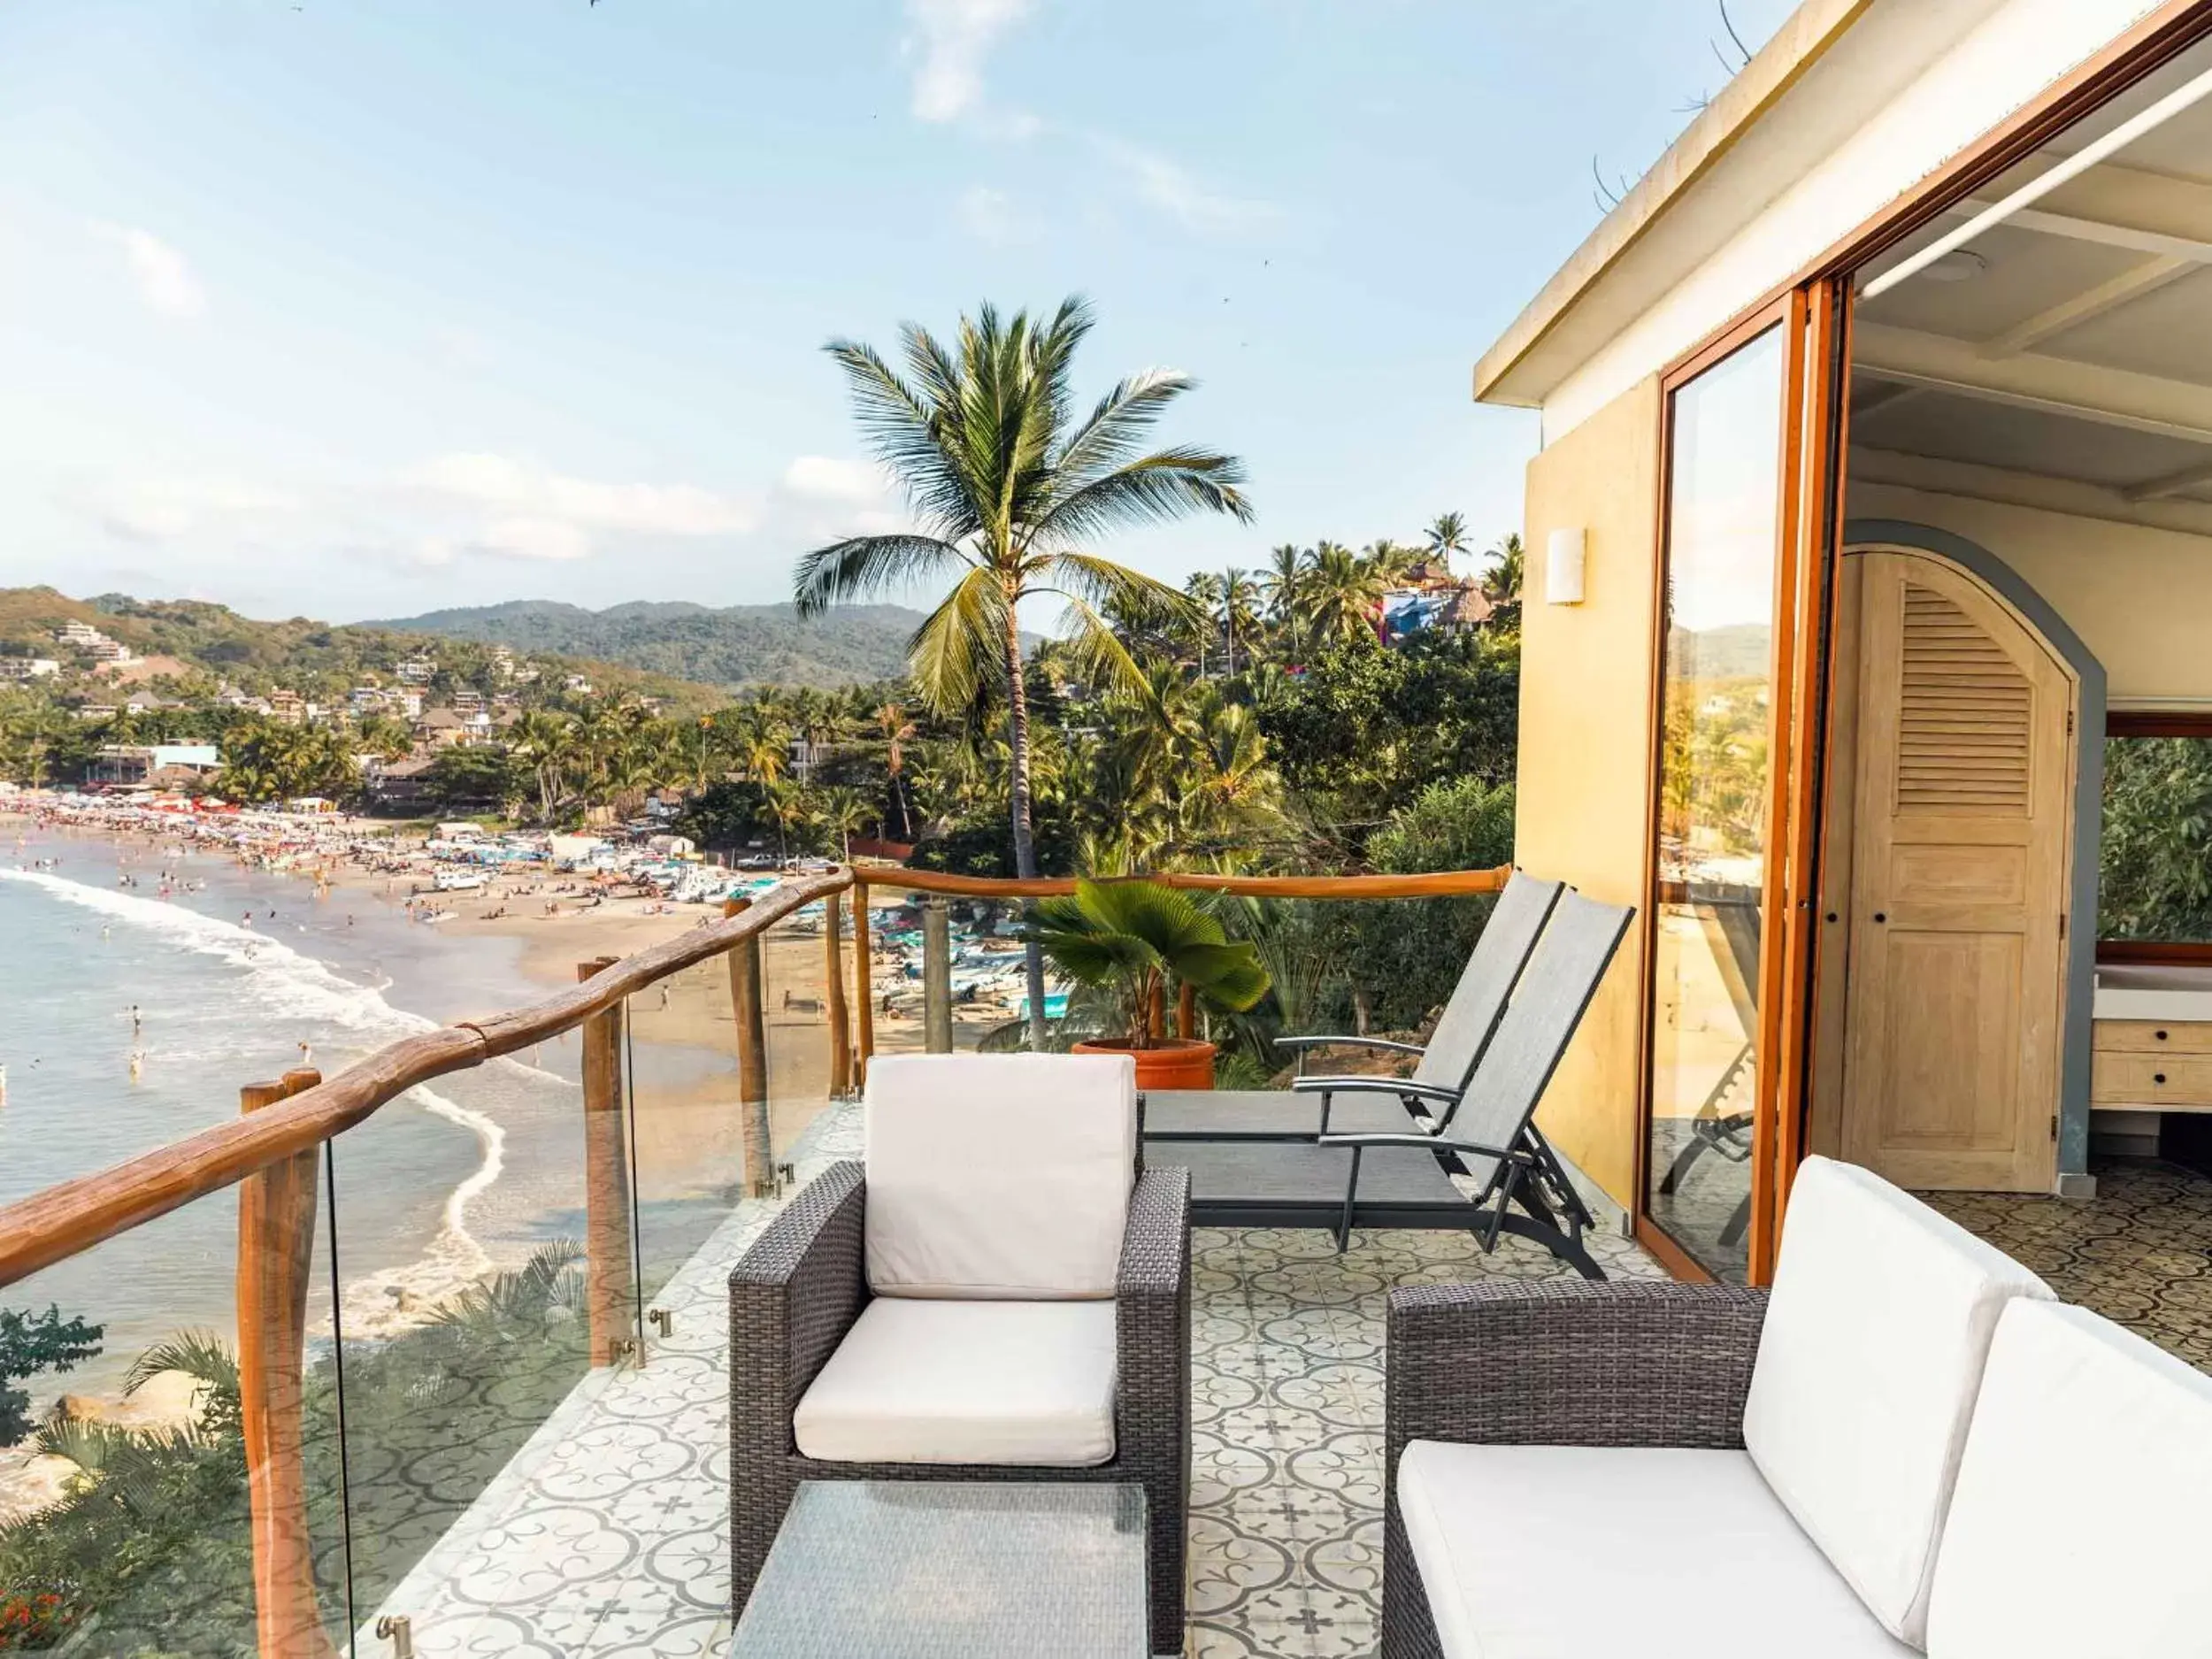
<point x="1563" y="567"/>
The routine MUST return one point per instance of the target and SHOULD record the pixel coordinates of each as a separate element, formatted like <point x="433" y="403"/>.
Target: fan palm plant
<point x="1011" y="486"/>
<point x="1129" y="939"/>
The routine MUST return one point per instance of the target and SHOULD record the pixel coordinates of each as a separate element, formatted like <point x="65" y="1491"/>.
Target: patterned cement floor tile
<point x="606" y="1537"/>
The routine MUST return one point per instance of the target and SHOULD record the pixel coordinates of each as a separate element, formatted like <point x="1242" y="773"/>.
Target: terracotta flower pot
<point x="1172" y="1063"/>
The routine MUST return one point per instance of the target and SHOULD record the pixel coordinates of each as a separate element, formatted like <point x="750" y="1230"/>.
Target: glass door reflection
<point x="1716" y="702"/>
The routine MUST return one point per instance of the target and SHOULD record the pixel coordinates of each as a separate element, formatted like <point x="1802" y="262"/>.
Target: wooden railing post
<point x="936" y="976"/>
<point x="276" y="1249"/>
<point x="863" y="984"/>
<point x="610" y="1277"/>
<point x="752" y="1057"/>
<point x="840" y="1040"/>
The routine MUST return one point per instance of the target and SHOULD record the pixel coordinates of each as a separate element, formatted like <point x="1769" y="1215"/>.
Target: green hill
<point x="738" y="645"/>
<point x="298" y="653"/>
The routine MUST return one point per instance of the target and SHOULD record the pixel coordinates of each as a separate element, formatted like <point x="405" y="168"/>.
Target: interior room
<point x="2021" y="731"/>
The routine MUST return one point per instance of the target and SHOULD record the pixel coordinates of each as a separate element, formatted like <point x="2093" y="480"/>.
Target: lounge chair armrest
<point x="1426" y="1142"/>
<point x="797" y="1289"/>
<point x="1386" y="1044"/>
<point x="1399" y="1085"/>
<point x="1522" y="1364"/>
<point x="1152" y="1308"/>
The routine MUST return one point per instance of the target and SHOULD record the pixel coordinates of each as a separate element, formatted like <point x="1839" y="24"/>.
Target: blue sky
<point x="354" y="309"/>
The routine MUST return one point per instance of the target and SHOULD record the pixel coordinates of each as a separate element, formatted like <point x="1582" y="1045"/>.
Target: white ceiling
<point x="2074" y="350"/>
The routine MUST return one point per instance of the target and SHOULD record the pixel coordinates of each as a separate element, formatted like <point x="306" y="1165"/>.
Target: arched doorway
<point x="1951" y="844"/>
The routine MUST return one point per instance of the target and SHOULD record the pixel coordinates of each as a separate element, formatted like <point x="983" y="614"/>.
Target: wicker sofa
<point x="855" y="1352"/>
<point x="1907" y="1447"/>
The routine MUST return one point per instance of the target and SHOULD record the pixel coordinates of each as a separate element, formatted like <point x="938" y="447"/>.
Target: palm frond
<point x="863" y="564"/>
<point x="1154" y="490"/>
<point x="901" y="426"/>
<point x="1097" y="651"/>
<point x="1168" y="918"/>
<point x="960" y="649"/>
<point x="196" y="1353"/>
<point x="1110" y="435"/>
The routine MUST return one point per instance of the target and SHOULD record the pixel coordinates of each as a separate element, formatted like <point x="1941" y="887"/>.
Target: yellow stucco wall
<point x="1583" y="785"/>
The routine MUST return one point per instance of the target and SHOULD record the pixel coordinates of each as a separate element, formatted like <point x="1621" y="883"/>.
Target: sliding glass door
<point x="1707" y="1092"/>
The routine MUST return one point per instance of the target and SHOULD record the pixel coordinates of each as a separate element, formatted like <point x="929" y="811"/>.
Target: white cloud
<point x="989" y="216"/>
<point x="952" y="39"/>
<point x="1175" y="191"/>
<point x="172" y="508"/>
<point x="528" y="499"/>
<point x="829" y="478"/>
<point x="164" y="276"/>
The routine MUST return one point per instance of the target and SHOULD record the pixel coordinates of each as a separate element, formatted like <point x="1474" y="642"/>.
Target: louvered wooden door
<point x="1962" y="830"/>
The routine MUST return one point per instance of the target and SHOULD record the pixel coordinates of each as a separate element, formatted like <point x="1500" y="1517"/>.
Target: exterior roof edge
<point x="1803" y="38"/>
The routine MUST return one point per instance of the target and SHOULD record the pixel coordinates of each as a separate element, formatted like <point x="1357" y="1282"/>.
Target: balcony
<point x="532" y="1457"/>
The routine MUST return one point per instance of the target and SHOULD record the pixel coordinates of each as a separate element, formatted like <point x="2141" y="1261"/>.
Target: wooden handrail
<point x="1438" y="884"/>
<point x="74" y="1215"/>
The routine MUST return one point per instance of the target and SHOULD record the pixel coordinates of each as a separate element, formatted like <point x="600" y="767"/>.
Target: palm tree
<point x="1009" y="485"/>
<point x="1285" y="587"/>
<point x="890" y="720"/>
<point x="546" y="741"/>
<point x="1239" y="608"/>
<point x="1391" y="562"/>
<point x="841" y="811"/>
<point x="1447" y="535"/>
<point x="1502" y="581"/>
<point x="1203" y="589"/>
<point x="1342" y="592"/>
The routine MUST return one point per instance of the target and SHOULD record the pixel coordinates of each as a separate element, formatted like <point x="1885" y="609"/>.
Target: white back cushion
<point x="1880" y="1320"/>
<point x="2080" y="1527"/>
<point x="999" y="1176"/>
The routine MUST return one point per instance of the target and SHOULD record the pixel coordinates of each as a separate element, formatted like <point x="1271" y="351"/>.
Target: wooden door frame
<point x="1792" y="314"/>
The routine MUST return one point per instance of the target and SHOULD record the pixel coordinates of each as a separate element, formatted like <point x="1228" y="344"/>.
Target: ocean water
<point x="230" y="980"/>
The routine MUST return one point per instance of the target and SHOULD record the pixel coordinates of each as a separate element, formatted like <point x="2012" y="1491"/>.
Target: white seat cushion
<point x="1872" y="1351"/>
<point x="921" y="1381"/>
<point x="999" y="1175"/>
<point x="2079" y="1529"/>
<point x="1566" y="1552"/>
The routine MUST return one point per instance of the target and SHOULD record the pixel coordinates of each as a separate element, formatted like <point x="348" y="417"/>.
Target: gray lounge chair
<point x="1386" y="1168"/>
<point x="1305" y="1111"/>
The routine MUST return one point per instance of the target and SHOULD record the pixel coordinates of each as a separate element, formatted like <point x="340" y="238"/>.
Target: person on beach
<point x="138" y="1024"/>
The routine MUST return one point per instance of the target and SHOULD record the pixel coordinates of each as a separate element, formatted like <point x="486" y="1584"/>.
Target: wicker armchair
<point x="1553" y="1364"/>
<point x="801" y="1286"/>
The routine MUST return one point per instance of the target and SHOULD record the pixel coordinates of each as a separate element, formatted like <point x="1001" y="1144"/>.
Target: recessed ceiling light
<point x="1961" y="265"/>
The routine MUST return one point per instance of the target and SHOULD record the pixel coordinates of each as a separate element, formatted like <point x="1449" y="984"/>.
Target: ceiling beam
<point x="2173" y="484"/>
<point x="2031" y="490"/>
<point x="2088" y="391"/>
<point x="2131" y="284"/>
<point x="2196" y="250"/>
<point x="2119" y="207"/>
<point x="1888" y="395"/>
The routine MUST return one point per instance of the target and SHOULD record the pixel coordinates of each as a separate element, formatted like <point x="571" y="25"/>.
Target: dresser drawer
<point x="2151" y="1079"/>
<point x="2151" y="1036"/>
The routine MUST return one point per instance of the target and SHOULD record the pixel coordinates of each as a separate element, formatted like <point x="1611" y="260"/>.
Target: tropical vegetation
<point x="1010" y="488"/>
<point x="1136" y="943"/>
<point x="149" y="1553"/>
